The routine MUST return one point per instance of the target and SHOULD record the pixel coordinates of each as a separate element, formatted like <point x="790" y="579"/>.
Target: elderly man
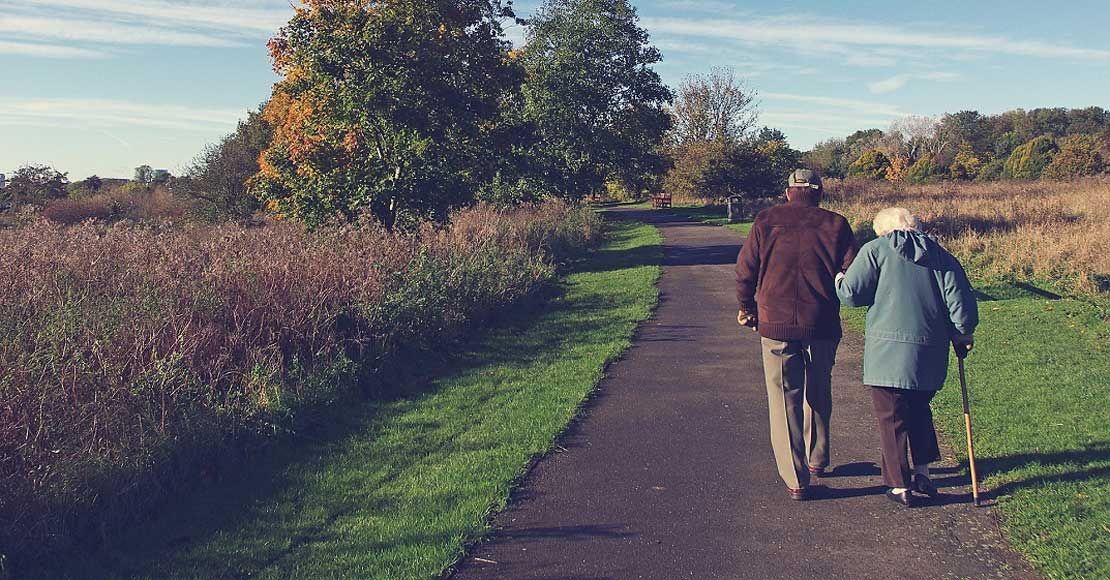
<point x="785" y="285"/>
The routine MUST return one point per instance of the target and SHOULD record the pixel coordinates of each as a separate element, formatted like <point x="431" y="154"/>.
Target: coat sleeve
<point x="963" y="308"/>
<point x="747" y="272"/>
<point x="857" y="287"/>
<point x="847" y="246"/>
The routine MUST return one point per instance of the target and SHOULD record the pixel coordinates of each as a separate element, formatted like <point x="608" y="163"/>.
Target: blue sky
<point x="100" y="86"/>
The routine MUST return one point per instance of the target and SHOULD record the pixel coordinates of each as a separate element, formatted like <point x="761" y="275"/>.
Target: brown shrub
<point x="131" y="355"/>
<point x="1057" y="231"/>
<point x="131" y="203"/>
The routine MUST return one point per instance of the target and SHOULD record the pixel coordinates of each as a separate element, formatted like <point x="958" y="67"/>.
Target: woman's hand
<point x="839" y="277"/>
<point x="962" y="344"/>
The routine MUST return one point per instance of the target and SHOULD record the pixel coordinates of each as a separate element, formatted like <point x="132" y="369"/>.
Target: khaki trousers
<point x="799" y="398"/>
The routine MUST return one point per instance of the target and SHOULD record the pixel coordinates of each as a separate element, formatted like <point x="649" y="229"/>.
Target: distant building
<point x="3" y="181"/>
<point x="161" y="176"/>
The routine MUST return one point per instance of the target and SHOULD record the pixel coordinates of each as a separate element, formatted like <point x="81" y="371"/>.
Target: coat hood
<point x="916" y="247"/>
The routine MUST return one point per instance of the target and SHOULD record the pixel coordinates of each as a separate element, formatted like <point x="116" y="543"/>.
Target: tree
<point x="776" y="159"/>
<point x="144" y="174"/>
<point x="385" y="106"/>
<point x="1078" y="157"/>
<point x="966" y="164"/>
<point x="827" y="158"/>
<point x="218" y="176"/>
<point x="704" y="170"/>
<point x="872" y="165"/>
<point x="923" y="170"/>
<point x="1030" y="159"/>
<point x="36" y="184"/>
<point x="93" y="183"/>
<point x="713" y="107"/>
<point x="968" y="128"/>
<point x="596" y="104"/>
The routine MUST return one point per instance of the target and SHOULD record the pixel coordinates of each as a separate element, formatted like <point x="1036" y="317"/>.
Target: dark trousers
<point x="904" y="417"/>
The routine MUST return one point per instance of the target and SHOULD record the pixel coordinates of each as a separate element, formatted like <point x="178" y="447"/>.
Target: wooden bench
<point x="661" y="201"/>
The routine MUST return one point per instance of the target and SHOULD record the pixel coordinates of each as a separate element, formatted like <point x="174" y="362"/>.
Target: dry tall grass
<point x="1058" y="232"/>
<point x="131" y="355"/>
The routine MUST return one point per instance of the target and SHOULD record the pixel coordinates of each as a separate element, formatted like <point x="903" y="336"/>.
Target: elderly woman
<point x="920" y="301"/>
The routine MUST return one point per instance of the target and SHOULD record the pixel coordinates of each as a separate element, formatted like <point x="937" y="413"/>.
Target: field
<point x="1050" y="232"/>
<point x="1039" y="256"/>
<point x="138" y="359"/>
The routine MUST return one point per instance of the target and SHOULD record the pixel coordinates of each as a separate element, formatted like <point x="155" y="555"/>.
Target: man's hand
<point x="745" y="319"/>
<point x="962" y="344"/>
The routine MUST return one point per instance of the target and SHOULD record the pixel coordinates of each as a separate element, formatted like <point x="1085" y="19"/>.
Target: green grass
<point x="716" y="215"/>
<point x="1039" y="379"/>
<point x="398" y="489"/>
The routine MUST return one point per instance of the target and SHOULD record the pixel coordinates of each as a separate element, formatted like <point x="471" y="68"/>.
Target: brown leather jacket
<point x="786" y="270"/>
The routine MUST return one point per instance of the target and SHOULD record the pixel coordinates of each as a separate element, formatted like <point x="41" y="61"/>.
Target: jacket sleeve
<point x="963" y="308"/>
<point x="857" y="287"/>
<point x="847" y="247"/>
<point x="747" y="272"/>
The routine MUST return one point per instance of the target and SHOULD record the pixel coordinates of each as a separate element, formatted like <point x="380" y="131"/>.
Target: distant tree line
<point x="1049" y="143"/>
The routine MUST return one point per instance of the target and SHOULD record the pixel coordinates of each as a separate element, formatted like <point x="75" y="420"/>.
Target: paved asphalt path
<point x="669" y="473"/>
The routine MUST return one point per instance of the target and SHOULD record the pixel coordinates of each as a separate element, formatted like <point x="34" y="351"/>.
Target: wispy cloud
<point x="47" y="50"/>
<point x="264" y="17"/>
<point x="106" y="114"/>
<point x="899" y="81"/>
<point x="825" y="115"/>
<point x="85" y="27"/>
<point x="803" y="34"/>
<point x="106" y="32"/>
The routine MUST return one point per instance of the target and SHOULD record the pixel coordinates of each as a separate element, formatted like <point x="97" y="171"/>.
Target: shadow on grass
<point x="252" y="517"/>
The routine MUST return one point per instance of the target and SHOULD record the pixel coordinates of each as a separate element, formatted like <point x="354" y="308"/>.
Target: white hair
<point x="894" y="218"/>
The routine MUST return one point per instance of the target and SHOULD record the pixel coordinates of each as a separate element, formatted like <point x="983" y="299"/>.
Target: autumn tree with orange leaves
<point x="385" y="106"/>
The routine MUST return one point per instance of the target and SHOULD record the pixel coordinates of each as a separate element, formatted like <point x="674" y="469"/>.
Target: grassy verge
<point x="711" y="214"/>
<point x="1039" y="381"/>
<point x="397" y="489"/>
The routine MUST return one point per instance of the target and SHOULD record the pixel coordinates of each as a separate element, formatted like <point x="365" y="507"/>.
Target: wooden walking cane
<point x="961" y="354"/>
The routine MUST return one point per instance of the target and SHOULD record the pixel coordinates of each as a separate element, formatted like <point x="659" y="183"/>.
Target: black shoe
<point x="922" y="484"/>
<point x="905" y="498"/>
<point x="798" y="494"/>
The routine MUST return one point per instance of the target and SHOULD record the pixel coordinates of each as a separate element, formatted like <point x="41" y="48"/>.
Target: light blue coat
<point x="919" y="298"/>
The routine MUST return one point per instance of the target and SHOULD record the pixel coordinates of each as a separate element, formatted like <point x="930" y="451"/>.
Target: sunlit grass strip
<point x="1039" y="379"/>
<point x="396" y="490"/>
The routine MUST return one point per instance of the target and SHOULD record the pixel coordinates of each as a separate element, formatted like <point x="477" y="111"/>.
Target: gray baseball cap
<point x="804" y="178"/>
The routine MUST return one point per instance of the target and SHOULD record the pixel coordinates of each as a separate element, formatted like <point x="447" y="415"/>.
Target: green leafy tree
<point x="1078" y="157"/>
<point x="923" y="170"/>
<point x="966" y="164"/>
<point x="774" y="160"/>
<point x="92" y="183"/>
<point x="1028" y="161"/>
<point x="597" y="106"/>
<point x="36" y="185"/>
<point x="144" y="174"/>
<point x="218" y="176"/>
<point x="827" y="157"/>
<point x="991" y="170"/>
<point x="385" y="106"/>
<point x="872" y="164"/>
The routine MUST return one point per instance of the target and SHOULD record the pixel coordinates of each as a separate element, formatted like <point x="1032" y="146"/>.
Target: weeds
<point x="133" y="357"/>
